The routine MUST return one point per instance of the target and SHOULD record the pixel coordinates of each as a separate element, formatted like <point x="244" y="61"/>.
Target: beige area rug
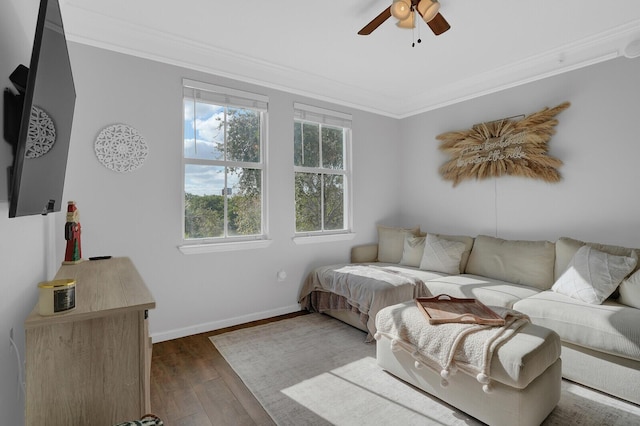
<point x="316" y="370"/>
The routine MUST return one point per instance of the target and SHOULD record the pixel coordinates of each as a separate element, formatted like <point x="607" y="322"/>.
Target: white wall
<point x="138" y="214"/>
<point x="598" y="139"/>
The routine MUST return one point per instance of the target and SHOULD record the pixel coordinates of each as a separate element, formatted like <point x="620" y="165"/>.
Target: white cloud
<point x="203" y="149"/>
<point x="203" y="180"/>
<point x="209" y="127"/>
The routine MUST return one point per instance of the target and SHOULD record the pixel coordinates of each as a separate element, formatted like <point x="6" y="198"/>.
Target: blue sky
<point x="200" y="143"/>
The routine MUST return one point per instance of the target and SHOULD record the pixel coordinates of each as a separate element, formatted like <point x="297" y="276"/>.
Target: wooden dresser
<point x="91" y="365"/>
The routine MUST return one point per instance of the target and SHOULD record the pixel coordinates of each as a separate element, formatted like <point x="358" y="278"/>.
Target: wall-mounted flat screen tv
<point x="39" y="117"/>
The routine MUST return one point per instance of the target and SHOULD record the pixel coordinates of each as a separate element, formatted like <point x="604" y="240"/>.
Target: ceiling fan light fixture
<point x="428" y="9"/>
<point x="401" y="9"/>
<point x="405" y="11"/>
<point x="409" y="23"/>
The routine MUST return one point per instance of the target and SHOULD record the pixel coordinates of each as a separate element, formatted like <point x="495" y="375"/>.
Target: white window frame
<point x="316" y="115"/>
<point x="235" y="98"/>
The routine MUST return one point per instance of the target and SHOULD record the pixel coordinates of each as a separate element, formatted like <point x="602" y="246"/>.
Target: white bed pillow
<point x="593" y="275"/>
<point x="413" y="251"/>
<point x="442" y="255"/>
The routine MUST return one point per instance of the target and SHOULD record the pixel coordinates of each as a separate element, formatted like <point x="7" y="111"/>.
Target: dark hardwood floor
<point x="192" y="384"/>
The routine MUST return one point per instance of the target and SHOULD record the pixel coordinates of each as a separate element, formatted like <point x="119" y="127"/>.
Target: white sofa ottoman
<point x="525" y="371"/>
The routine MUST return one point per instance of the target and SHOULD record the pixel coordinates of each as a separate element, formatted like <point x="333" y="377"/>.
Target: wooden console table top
<point x="102" y="287"/>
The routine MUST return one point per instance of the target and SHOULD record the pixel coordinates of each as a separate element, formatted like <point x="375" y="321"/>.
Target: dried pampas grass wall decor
<point x="503" y="147"/>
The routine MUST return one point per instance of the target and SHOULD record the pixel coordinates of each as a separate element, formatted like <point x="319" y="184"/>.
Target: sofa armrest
<point x="364" y="253"/>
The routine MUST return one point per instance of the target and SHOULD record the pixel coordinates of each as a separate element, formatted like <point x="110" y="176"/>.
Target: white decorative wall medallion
<point x="41" y="135"/>
<point x="121" y="148"/>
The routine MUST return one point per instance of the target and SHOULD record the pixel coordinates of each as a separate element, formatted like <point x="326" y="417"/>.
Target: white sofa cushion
<point x="610" y="327"/>
<point x="593" y="275"/>
<point x="441" y="255"/>
<point x="391" y="242"/>
<point x="567" y="247"/>
<point x="519" y="262"/>
<point x="468" y="243"/>
<point x="630" y="290"/>
<point x="489" y="291"/>
<point x="412" y="251"/>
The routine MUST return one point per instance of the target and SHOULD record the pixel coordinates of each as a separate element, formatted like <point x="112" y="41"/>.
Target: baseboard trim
<point x="215" y="325"/>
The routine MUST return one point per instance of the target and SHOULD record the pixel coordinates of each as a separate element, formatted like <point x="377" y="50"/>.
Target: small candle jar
<point x="56" y="296"/>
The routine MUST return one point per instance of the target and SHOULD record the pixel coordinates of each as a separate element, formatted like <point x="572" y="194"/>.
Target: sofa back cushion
<point x="566" y="248"/>
<point x="519" y="262"/>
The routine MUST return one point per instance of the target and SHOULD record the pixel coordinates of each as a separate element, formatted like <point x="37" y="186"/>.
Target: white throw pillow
<point x="391" y="242"/>
<point x="413" y="251"/>
<point x="441" y="255"/>
<point x="630" y="290"/>
<point x="592" y="275"/>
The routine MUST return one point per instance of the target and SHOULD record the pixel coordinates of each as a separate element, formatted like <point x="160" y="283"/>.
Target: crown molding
<point x="130" y="38"/>
<point x="588" y="51"/>
<point x="173" y="49"/>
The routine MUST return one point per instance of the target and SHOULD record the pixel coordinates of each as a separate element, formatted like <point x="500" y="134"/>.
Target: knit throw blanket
<point x="447" y="348"/>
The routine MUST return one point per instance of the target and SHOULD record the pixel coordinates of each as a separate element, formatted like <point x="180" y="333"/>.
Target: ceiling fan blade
<point x="376" y="22"/>
<point x="438" y="24"/>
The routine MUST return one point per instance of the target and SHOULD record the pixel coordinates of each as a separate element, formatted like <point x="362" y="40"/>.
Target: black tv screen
<point x="48" y="102"/>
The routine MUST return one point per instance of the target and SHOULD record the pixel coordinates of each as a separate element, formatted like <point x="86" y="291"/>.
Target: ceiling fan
<point x="403" y="11"/>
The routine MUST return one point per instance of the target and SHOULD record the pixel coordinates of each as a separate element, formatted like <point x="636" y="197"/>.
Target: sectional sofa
<point x="588" y="293"/>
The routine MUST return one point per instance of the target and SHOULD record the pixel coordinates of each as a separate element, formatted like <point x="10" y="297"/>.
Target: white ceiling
<point x="312" y="48"/>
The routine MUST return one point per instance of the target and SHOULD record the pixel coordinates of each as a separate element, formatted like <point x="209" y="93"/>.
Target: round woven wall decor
<point x="121" y="148"/>
<point x="41" y="135"/>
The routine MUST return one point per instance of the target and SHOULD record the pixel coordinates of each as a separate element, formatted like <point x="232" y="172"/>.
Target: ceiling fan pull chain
<point x="413" y="44"/>
<point x="419" y="36"/>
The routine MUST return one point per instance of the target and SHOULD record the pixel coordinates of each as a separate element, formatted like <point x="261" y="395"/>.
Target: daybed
<point x="588" y="293"/>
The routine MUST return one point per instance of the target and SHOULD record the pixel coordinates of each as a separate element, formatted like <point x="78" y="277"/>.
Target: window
<point x="322" y="146"/>
<point x="224" y="166"/>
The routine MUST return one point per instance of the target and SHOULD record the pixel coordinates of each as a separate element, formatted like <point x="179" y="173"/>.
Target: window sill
<point x="326" y="238"/>
<point x="220" y="247"/>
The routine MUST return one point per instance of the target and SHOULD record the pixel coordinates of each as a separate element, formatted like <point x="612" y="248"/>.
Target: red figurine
<point x="72" y="229"/>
